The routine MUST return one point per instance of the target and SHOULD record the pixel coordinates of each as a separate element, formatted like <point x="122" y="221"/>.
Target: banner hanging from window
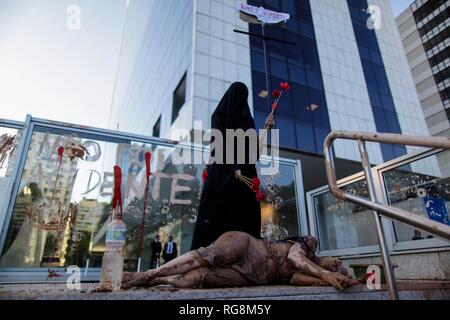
<point x="252" y="14"/>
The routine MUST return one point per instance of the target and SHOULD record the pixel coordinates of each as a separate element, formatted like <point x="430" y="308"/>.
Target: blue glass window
<point x="292" y="25"/>
<point x="318" y="108"/>
<point x="310" y="54"/>
<point x="306" y="29"/>
<point x="314" y="79"/>
<point x="382" y="81"/>
<point x="297" y="74"/>
<point x="364" y="53"/>
<point x="255" y="42"/>
<point x="260" y="119"/>
<point x="399" y="151"/>
<point x="388" y="103"/>
<point x="304" y="10"/>
<point x="258" y="61"/>
<point x="272" y="4"/>
<point x="305" y="137"/>
<point x="375" y="98"/>
<point x="320" y="135"/>
<point x="380" y="119"/>
<point x="285" y="106"/>
<point x="388" y="151"/>
<point x="383" y="106"/>
<point x="392" y="121"/>
<point x="300" y="127"/>
<point x="287" y="132"/>
<point x="259" y="81"/>
<point x="369" y="73"/>
<point x="279" y="67"/>
<point x="288" y="6"/>
<point x="301" y="103"/>
<point x="360" y="35"/>
<point x="375" y="56"/>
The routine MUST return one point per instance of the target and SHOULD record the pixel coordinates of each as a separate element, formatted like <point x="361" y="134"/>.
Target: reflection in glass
<point x="343" y="225"/>
<point x="9" y="141"/>
<point x="279" y="219"/>
<point x="62" y="211"/>
<point x="422" y="188"/>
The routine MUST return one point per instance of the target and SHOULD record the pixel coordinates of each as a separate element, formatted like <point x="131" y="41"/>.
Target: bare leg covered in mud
<point x="191" y="279"/>
<point x="179" y="266"/>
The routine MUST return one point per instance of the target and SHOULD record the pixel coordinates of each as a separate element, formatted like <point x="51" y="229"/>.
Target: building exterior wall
<point x="197" y="36"/>
<point x="413" y="266"/>
<point x="302" y="115"/>
<point x="151" y="67"/>
<point x="405" y="96"/>
<point x="221" y="56"/>
<point x="345" y="86"/>
<point x="421" y="66"/>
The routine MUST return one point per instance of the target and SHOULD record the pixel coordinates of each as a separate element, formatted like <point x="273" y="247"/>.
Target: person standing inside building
<point x="156" y="252"/>
<point x="170" y="250"/>
<point x="226" y="203"/>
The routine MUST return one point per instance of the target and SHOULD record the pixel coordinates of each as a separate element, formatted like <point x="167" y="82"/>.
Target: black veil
<point x="232" y="112"/>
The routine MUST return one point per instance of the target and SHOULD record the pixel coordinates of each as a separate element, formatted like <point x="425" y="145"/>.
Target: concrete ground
<point x="417" y="290"/>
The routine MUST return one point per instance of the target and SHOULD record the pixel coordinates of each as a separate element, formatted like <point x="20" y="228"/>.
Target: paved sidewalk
<point x="419" y="290"/>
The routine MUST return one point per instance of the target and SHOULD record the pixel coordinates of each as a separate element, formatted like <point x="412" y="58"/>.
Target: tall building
<point x="425" y="32"/>
<point x="178" y="59"/>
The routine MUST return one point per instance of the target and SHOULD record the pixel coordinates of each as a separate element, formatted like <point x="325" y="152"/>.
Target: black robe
<point x="226" y="203"/>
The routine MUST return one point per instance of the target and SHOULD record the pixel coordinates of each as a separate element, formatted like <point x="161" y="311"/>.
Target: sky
<point x="52" y="72"/>
<point x="399" y="5"/>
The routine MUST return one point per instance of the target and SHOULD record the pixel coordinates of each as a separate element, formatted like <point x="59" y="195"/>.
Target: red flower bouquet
<point x="204" y="175"/>
<point x="278" y="93"/>
<point x="285" y="86"/>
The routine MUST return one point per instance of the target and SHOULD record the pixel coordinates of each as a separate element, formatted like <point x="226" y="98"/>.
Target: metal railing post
<point x="388" y="269"/>
<point x="394" y="213"/>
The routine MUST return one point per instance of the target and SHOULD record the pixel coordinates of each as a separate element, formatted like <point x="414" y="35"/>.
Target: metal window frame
<point x="394" y="246"/>
<point x="6" y="123"/>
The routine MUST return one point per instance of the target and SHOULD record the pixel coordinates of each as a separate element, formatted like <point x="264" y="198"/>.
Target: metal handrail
<point x="379" y="208"/>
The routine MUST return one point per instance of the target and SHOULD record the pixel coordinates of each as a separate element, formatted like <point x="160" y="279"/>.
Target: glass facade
<point x="344" y="225"/>
<point x="303" y="113"/>
<point x="424" y="195"/>
<point x="380" y="95"/>
<point x="63" y="205"/>
<point x="9" y="142"/>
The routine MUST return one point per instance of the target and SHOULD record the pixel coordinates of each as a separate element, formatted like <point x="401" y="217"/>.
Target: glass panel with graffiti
<point x="344" y="225"/>
<point x="64" y="203"/>
<point x="423" y="188"/>
<point x="9" y="142"/>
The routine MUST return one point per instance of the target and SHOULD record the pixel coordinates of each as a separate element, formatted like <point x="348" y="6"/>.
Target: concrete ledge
<point x="419" y="290"/>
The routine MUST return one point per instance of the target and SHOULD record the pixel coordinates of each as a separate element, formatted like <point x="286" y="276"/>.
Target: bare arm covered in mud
<point x="270" y="123"/>
<point x="312" y="271"/>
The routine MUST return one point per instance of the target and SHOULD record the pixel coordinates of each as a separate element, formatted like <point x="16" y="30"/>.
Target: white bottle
<point x="112" y="263"/>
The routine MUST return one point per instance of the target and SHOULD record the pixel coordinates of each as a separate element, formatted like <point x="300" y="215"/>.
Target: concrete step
<point x="417" y="290"/>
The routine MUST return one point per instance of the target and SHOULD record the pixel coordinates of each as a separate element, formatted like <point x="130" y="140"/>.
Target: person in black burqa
<point x="156" y="252"/>
<point x="226" y="203"/>
<point x="170" y="251"/>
